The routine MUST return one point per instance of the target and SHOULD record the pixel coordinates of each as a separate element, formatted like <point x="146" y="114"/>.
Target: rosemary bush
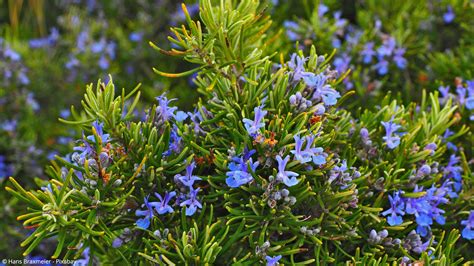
<point x="280" y="162"/>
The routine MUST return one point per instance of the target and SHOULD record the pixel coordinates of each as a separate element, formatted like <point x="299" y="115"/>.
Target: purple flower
<point x="254" y="126"/>
<point x="117" y="242"/>
<point x="163" y="207"/>
<point x="368" y="52"/>
<point x="144" y="222"/>
<point x="468" y="231"/>
<point x="272" y="261"/>
<point x="189" y="178"/>
<point x="192" y="202"/>
<point x="398" y="58"/>
<point x="396" y="210"/>
<point x="391" y="140"/>
<point x="364" y="135"/>
<point x="239" y="170"/>
<point x="424" y="170"/>
<point x="449" y="15"/>
<point x="287" y="177"/>
<point x="431" y="147"/>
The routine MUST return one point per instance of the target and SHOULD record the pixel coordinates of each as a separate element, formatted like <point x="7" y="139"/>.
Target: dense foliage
<point x="352" y="147"/>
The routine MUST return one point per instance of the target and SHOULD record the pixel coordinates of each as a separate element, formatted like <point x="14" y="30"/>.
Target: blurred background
<point x="51" y="50"/>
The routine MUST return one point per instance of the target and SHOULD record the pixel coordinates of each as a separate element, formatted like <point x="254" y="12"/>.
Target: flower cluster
<point x="274" y="164"/>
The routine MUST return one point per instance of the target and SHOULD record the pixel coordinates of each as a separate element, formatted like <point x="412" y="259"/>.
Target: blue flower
<point x="291" y="30"/>
<point x="339" y="22"/>
<point x="5" y="168"/>
<point x="136" y="36"/>
<point x="9" y="125"/>
<point x="314" y="154"/>
<point x="50" y="40"/>
<point x="272" y="261"/>
<point x="163" y="111"/>
<point x="103" y="62"/>
<point x="445" y="95"/>
<point x="341" y="64"/>
<point x="253" y="126"/>
<point x="296" y="64"/>
<point x="449" y="15"/>
<point x="391" y="140"/>
<point x="368" y="52"/>
<point x="84" y="261"/>
<point x="470" y="102"/>
<point x="396" y="210"/>
<point x="181" y="116"/>
<point x="85" y="149"/>
<point x="468" y="231"/>
<point x="461" y="91"/>
<point x="192" y="202"/>
<point x="174" y="143"/>
<point x="189" y="178"/>
<point x="9" y="53"/>
<point x="386" y="49"/>
<point x="144" y="222"/>
<point x="104" y="138"/>
<point x="426" y="209"/>
<point x="322" y="9"/>
<point x="431" y="147"/>
<point x="239" y="170"/>
<point x="448" y="133"/>
<point x="300" y="155"/>
<point x="452" y="172"/>
<point x="287" y="177"/>
<point x="424" y="170"/>
<point x="340" y="175"/>
<point x="398" y="58"/>
<point x="322" y="91"/>
<point x="382" y="66"/>
<point x="163" y="207"/>
<point x="196" y="119"/>
<point x="364" y="135"/>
